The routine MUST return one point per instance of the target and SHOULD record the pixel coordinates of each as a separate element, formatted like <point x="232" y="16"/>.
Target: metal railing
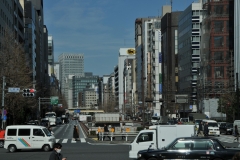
<point x="112" y="135"/>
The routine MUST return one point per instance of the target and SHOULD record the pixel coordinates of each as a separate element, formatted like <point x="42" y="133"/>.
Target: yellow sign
<point x="112" y="130"/>
<point x="131" y="51"/>
<point x="127" y="129"/>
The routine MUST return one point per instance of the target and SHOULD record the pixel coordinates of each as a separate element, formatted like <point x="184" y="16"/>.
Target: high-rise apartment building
<point x="189" y="39"/>
<point x="124" y="53"/>
<point x="70" y="64"/>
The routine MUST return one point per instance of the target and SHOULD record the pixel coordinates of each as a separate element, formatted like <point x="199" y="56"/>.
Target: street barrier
<point x="112" y="135"/>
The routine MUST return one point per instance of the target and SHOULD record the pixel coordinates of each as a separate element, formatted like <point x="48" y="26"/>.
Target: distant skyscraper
<point x="69" y="64"/>
<point x="50" y="56"/>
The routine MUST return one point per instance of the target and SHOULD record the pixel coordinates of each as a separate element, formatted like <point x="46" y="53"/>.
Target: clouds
<point x="96" y="28"/>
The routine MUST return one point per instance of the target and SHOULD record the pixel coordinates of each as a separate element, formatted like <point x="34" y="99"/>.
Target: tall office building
<point x="236" y="39"/>
<point x="79" y="84"/>
<point x="169" y="29"/>
<point x="69" y="64"/>
<point x="189" y="38"/>
<point x="50" y="56"/>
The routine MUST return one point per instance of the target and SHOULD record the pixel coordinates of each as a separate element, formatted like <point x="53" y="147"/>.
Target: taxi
<point x="190" y="148"/>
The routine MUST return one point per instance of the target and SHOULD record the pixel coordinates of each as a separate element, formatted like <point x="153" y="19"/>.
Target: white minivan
<point x="212" y="127"/>
<point x="28" y="137"/>
<point x="236" y="122"/>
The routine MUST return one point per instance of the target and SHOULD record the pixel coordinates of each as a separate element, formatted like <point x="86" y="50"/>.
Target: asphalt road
<point x="86" y="149"/>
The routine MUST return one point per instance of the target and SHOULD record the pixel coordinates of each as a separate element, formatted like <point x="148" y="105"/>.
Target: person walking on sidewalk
<point x="206" y="130"/>
<point x="200" y="129"/>
<point x="236" y="133"/>
<point x="106" y="132"/>
<point x="75" y="133"/>
<point x="123" y="131"/>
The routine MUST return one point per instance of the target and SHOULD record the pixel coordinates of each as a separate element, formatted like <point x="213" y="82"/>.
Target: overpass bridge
<point x="85" y="110"/>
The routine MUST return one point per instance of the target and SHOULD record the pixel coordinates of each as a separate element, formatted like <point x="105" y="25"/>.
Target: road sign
<point x="14" y="90"/>
<point x="54" y="100"/>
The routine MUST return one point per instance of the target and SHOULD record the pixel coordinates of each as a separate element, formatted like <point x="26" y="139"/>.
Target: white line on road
<point x="57" y="140"/>
<point x="83" y="140"/>
<point x="64" y="140"/>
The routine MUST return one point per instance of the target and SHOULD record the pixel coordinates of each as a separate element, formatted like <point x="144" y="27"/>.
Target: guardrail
<point x="85" y="128"/>
<point x="112" y="135"/>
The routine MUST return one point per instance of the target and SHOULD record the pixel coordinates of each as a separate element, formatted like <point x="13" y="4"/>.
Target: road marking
<point x="83" y="140"/>
<point x="64" y="140"/>
<point x="73" y="141"/>
<point x="57" y="140"/>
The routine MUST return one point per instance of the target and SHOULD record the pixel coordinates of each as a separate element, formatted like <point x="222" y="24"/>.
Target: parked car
<point x="226" y="128"/>
<point x="190" y="148"/>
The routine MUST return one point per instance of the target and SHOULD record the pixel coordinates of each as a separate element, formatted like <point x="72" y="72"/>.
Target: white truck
<point x="51" y="116"/>
<point x="159" y="136"/>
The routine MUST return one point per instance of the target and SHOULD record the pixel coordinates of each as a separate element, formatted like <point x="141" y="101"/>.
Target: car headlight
<point x="139" y="155"/>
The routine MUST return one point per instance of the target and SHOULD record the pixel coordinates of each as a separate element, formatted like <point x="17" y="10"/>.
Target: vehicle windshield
<point x="198" y="121"/>
<point x="230" y="125"/>
<point x="155" y="118"/>
<point x="212" y="124"/>
<point x="45" y="130"/>
<point x="184" y="120"/>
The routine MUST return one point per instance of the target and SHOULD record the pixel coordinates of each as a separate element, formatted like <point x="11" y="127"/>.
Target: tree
<point x="14" y="67"/>
<point x="228" y="105"/>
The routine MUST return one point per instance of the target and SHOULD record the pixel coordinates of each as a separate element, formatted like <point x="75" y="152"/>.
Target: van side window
<point x="24" y="132"/>
<point x="37" y="132"/>
<point x="12" y="132"/>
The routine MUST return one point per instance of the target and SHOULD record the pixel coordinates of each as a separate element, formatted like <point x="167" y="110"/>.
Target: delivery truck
<point x="159" y="136"/>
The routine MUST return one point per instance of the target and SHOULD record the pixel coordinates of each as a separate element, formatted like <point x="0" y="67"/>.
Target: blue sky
<point x="99" y="28"/>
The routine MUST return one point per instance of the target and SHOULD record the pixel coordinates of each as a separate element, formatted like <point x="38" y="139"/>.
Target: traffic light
<point x="30" y="92"/>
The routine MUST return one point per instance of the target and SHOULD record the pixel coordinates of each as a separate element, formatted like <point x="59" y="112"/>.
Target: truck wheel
<point x="1" y="144"/>
<point x="46" y="148"/>
<point x="12" y="148"/>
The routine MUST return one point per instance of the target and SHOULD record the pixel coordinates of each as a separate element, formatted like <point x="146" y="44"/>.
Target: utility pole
<point x="3" y="95"/>
<point x="237" y="93"/>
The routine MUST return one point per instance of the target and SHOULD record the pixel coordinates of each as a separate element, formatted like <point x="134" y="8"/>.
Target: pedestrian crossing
<point x="82" y="140"/>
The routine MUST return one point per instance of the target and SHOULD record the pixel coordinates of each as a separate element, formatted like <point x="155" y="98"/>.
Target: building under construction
<point x="216" y="70"/>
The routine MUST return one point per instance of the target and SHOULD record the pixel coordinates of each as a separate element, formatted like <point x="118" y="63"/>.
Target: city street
<point x="86" y="148"/>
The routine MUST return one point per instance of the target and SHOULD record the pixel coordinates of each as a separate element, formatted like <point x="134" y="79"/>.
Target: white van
<point x="236" y="122"/>
<point x="28" y="137"/>
<point x="212" y="127"/>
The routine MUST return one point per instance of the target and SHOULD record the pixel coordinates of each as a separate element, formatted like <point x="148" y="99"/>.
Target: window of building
<point x="218" y="41"/>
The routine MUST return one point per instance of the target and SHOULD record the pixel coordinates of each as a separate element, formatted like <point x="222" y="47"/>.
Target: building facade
<point x="69" y="64"/>
<point x="124" y="53"/>
<point x="79" y="83"/>
<point x="189" y="40"/>
<point x="169" y="29"/>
